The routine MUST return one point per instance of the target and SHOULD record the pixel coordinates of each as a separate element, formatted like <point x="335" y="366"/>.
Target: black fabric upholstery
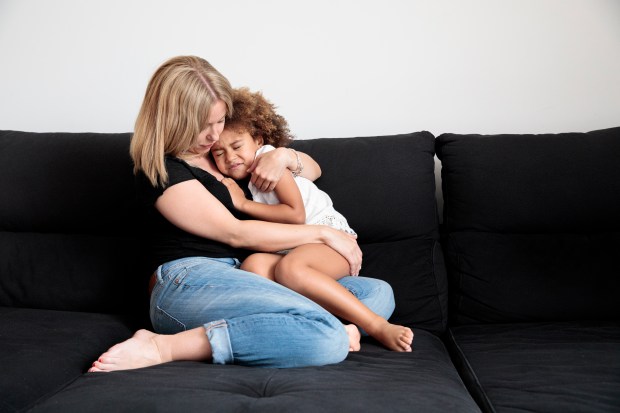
<point x="372" y="380"/>
<point x="360" y="175"/>
<point x="67" y="239"/>
<point x="532" y="236"/>
<point x="520" y="284"/>
<point x="397" y="224"/>
<point x="72" y="285"/>
<point x="533" y="225"/>
<point x="534" y="277"/>
<point x="541" y="367"/>
<point x="42" y="351"/>
<point x="531" y="183"/>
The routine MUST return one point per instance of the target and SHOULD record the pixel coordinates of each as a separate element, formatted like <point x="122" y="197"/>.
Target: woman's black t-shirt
<point x="166" y="242"/>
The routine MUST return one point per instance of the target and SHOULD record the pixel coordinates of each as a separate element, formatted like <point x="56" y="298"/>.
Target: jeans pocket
<point x="164" y="323"/>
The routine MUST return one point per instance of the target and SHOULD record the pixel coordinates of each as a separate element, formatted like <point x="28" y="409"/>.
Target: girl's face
<point x="234" y="153"/>
<point x="211" y="134"/>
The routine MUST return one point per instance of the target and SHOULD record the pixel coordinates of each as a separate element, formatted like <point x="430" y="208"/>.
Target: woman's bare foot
<point x="393" y="336"/>
<point x="141" y="350"/>
<point x="354" y="337"/>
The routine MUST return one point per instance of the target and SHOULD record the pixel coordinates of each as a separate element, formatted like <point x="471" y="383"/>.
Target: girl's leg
<point x="247" y="319"/>
<point x="376" y="294"/>
<point x="262" y="263"/>
<point x="312" y="270"/>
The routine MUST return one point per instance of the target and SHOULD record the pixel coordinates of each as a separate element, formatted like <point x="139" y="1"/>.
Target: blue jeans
<point x="253" y="321"/>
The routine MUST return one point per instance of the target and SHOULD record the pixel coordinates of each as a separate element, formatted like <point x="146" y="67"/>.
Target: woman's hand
<point x="346" y="245"/>
<point x="269" y="167"/>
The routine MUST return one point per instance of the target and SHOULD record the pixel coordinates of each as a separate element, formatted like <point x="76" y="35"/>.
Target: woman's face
<point x="211" y="134"/>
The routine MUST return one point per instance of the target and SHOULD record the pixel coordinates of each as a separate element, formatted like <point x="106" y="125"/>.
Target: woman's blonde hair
<point x="174" y="111"/>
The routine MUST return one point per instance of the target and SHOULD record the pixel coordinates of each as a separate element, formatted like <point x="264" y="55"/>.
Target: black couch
<point x="521" y="315"/>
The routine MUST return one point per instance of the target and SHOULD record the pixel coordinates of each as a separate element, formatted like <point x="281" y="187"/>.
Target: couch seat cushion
<point x="41" y="351"/>
<point x="541" y="367"/>
<point x="373" y="379"/>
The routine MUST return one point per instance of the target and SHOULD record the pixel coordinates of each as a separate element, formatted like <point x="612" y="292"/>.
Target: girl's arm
<point x="189" y="206"/>
<point x="269" y="167"/>
<point x="290" y="210"/>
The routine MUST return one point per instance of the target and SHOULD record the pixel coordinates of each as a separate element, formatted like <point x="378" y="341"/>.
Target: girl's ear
<point x="259" y="141"/>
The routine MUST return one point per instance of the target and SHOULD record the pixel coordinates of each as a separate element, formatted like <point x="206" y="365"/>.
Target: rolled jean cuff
<point x="217" y="332"/>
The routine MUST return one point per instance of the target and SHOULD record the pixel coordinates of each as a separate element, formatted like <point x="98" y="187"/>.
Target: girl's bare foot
<point x="141" y="350"/>
<point x="394" y="337"/>
<point x="354" y="337"/>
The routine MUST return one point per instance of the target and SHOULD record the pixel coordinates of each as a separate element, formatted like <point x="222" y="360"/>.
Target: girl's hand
<point x="346" y="245"/>
<point x="236" y="193"/>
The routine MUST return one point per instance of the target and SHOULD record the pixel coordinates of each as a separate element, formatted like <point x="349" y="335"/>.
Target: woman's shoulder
<point x="178" y="170"/>
<point x="172" y="162"/>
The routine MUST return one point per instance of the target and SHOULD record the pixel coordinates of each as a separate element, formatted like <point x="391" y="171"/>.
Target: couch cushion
<point x="531" y="183"/>
<point x="67" y="236"/>
<point x="372" y="380"/>
<point x="67" y="240"/>
<point x="541" y="367"/>
<point x="42" y="351"/>
<point x="532" y="225"/>
<point x="385" y="186"/>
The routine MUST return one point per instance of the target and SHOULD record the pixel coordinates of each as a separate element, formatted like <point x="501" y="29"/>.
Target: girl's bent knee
<point x="288" y="272"/>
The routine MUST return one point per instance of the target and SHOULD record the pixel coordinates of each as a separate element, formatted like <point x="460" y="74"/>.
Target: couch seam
<point x="444" y="317"/>
<point x="466" y="364"/>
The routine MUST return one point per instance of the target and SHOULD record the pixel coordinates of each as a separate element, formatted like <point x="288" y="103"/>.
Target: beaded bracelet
<point x="300" y="166"/>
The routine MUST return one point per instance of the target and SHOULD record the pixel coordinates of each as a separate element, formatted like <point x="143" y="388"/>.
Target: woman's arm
<point x="269" y="167"/>
<point x="290" y="209"/>
<point x="189" y="206"/>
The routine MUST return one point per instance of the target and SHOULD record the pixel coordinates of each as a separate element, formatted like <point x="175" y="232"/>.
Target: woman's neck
<point x="203" y="162"/>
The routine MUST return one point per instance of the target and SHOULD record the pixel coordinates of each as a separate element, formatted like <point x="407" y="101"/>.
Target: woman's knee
<point x="382" y="296"/>
<point x="376" y="294"/>
<point x="384" y="290"/>
<point x="331" y="348"/>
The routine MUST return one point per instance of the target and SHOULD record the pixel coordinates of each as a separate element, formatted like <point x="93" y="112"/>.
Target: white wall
<point x="334" y="67"/>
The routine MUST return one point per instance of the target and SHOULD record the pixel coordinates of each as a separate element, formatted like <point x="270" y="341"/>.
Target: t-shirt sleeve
<point x="178" y="171"/>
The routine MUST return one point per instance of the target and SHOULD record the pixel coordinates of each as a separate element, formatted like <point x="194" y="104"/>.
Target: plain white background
<point x="335" y="68"/>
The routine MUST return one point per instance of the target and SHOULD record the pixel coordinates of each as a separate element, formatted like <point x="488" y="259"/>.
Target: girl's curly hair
<point x="254" y="114"/>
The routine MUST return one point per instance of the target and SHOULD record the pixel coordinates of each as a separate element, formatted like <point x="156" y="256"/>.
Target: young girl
<point x="312" y="270"/>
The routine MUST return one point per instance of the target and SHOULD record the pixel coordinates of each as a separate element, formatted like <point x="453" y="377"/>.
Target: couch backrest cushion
<point x="67" y="224"/>
<point x="385" y="186"/>
<point x="533" y="225"/>
<point x="66" y="235"/>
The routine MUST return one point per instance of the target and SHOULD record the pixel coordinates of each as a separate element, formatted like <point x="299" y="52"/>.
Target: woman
<point x="203" y="307"/>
